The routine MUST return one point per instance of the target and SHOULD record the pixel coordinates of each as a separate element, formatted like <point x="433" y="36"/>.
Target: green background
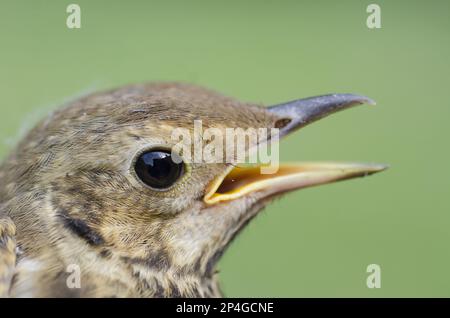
<point x="315" y="242"/>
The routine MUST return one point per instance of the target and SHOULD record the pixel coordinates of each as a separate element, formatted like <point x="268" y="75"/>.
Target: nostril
<point x="281" y="123"/>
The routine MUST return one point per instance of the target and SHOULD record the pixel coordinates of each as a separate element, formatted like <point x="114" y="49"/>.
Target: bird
<point x="94" y="204"/>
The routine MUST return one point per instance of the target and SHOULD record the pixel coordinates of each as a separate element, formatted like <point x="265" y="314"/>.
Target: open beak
<point x="239" y="181"/>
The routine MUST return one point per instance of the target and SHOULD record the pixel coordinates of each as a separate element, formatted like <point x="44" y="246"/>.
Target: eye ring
<point x="158" y="168"/>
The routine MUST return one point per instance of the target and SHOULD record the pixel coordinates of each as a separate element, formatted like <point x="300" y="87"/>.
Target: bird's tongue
<point x="239" y="181"/>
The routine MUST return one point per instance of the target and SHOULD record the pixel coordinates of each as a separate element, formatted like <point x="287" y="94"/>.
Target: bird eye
<point x="159" y="169"/>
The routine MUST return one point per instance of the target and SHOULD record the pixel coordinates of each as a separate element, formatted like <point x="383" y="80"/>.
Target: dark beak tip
<point x="349" y="99"/>
<point x="366" y="100"/>
<point x="371" y="102"/>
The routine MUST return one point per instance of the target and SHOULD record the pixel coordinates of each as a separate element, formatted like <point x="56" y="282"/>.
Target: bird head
<point x="100" y="175"/>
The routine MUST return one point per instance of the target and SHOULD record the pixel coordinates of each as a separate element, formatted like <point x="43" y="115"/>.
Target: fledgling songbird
<point x="94" y="187"/>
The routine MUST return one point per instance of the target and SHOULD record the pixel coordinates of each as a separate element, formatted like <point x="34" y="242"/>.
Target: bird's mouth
<point x="239" y="181"/>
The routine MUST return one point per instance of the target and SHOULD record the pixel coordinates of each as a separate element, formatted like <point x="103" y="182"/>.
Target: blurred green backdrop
<point x="315" y="242"/>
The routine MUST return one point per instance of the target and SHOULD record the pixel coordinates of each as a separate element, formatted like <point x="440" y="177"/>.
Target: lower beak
<point x="239" y="181"/>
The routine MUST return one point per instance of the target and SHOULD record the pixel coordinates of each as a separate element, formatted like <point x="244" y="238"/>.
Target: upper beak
<point x="302" y="112"/>
<point x="239" y="181"/>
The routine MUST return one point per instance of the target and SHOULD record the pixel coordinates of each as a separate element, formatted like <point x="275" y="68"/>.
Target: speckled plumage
<point x="72" y="205"/>
<point x="69" y="191"/>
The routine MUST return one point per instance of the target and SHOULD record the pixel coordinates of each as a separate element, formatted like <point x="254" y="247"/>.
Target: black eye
<point x="159" y="169"/>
